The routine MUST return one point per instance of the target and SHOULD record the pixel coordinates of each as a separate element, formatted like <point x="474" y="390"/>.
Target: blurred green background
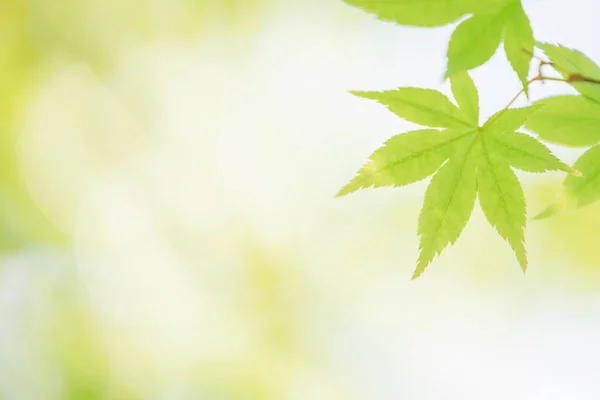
<point x="168" y="227"/>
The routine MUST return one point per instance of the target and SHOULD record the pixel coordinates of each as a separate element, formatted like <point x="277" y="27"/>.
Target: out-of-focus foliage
<point x="39" y="37"/>
<point x="567" y="242"/>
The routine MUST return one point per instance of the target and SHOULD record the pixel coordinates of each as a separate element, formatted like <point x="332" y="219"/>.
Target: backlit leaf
<point x="585" y="189"/>
<point x="568" y="62"/>
<point x="502" y="201"/>
<point x="526" y="153"/>
<point x="474" y="42"/>
<point x="470" y="161"/>
<point x="415" y="12"/>
<point x="406" y="158"/>
<point x="422" y="106"/>
<point x="567" y="120"/>
<point x="578" y="191"/>
<point x="448" y="205"/>
<point x="509" y="120"/>
<point x="519" y="42"/>
<point x="465" y="94"/>
<point x="476" y="39"/>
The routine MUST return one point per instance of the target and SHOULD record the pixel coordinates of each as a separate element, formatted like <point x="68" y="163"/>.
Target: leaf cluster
<point x="487" y="25"/>
<point x="573" y="121"/>
<point x="469" y="161"/>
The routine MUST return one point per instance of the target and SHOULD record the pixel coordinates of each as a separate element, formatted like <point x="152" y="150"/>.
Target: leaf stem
<point x="505" y="109"/>
<point x="571" y="78"/>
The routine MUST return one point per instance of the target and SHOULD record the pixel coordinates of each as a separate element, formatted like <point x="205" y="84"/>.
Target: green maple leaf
<point x="448" y="204"/>
<point x="578" y="190"/>
<point x="421" y="106"/>
<point x="466" y="161"/>
<point x="466" y="95"/>
<point x="572" y="121"/>
<point x="519" y="43"/>
<point x="424" y="13"/>
<point x="501" y="198"/>
<point x="477" y="38"/>
<point x="528" y="154"/>
<point x="405" y="159"/>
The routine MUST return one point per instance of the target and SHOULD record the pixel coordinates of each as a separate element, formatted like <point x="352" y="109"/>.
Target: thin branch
<point x="505" y="109"/>
<point x="580" y="78"/>
<point x="571" y="78"/>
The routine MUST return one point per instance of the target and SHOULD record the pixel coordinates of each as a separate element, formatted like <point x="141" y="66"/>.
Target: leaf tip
<point x="547" y="213"/>
<point x="526" y="90"/>
<point x="365" y="94"/>
<point x="346" y="190"/>
<point x="447" y="75"/>
<point x="542" y="45"/>
<point x="523" y="264"/>
<point x="421" y="266"/>
<point x="575" y="172"/>
<point x="416" y="275"/>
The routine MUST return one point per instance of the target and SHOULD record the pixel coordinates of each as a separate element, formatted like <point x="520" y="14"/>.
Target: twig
<point x="571" y="78"/>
